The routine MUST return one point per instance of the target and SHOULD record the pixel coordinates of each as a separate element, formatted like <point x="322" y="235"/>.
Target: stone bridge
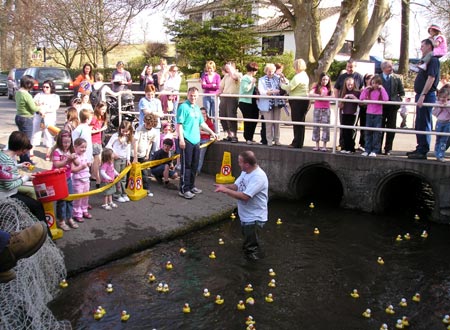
<point x="379" y="185"/>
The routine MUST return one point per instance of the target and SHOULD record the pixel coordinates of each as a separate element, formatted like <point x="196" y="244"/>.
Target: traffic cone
<point x="225" y="176"/>
<point x="51" y="220"/>
<point x="135" y="189"/>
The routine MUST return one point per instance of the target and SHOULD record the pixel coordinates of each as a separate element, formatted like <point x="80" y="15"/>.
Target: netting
<point x="23" y="301"/>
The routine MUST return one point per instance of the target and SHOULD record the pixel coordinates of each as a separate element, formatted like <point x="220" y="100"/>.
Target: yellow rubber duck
<point x="232" y="216"/>
<point x="98" y="314"/>
<point x="367" y="313"/>
<point x="240" y="306"/>
<point x="424" y="234"/>
<point x="403" y="302"/>
<point x="109" y="288"/>
<point x="399" y="324"/>
<point x="102" y="310"/>
<point x="380" y="261"/>
<point x="124" y="316"/>
<point x="416" y="217"/>
<point x="316" y="231"/>
<point x="390" y="310"/>
<point x="354" y="293"/>
<point x="160" y="287"/>
<point x="272" y="283"/>
<point x="186" y="308"/>
<point x="165" y="288"/>
<point x="221" y="242"/>
<point x="63" y="284"/>
<point x="269" y="298"/>
<point x="407" y="236"/>
<point x="250" y="301"/>
<point x="206" y="293"/>
<point x="169" y="265"/>
<point x="399" y="238"/>
<point x="405" y="321"/>
<point x="212" y="255"/>
<point x="311" y="205"/>
<point x="416" y="297"/>
<point x="250" y="327"/>
<point x="272" y="273"/>
<point x="279" y="222"/>
<point x="151" y="278"/>
<point x="446" y="319"/>
<point x="249" y="320"/>
<point x="248" y="288"/>
<point x="182" y="251"/>
<point x="384" y="326"/>
<point x="219" y="300"/>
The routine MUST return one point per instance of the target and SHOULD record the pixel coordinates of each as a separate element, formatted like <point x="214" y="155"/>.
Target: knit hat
<point x="434" y="27"/>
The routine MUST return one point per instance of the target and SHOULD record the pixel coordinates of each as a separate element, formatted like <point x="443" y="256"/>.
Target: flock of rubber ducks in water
<point x="402" y="323"/>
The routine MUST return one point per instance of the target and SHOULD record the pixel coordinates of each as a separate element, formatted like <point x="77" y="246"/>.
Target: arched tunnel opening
<point x="405" y="195"/>
<point x="319" y="184"/>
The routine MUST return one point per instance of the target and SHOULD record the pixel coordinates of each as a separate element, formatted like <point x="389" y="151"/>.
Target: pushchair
<point x="127" y="104"/>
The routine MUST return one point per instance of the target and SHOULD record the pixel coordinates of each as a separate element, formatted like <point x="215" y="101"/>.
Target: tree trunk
<point x="404" y="40"/>
<point x="361" y="21"/>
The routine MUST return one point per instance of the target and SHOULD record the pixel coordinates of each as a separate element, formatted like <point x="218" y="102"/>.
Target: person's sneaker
<point x="442" y="160"/>
<point x="187" y="194"/>
<point x="249" y="142"/>
<point x="412" y="152"/>
<point x="365" y="154"/>
<point x="195" y="190"/>
<point x="125" y="197"/>
<point x="234" y="139"/>
<point x="120" y="199"/>
<point x="7" y="276"/>
<point x="113" y="205"/>
<point x="149" y="194"/>
<point x="170" y="185"/>
<point x="106" y="207"/>
<point x="417" y="156"/>
<point x="372" y="154"/>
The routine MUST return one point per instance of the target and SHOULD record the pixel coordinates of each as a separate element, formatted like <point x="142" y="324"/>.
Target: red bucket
<point x="51" y="185"/>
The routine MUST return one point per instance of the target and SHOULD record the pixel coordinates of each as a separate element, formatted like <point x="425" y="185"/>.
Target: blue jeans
<point x="210" y="105"/>
<point x="25" y="124"/>
<point x="373" y="138"/>
<point x="424" y="123"/>
<point x="441" y="141"/>
<point x="64" y="208"/>
<point x="202" y="156"/>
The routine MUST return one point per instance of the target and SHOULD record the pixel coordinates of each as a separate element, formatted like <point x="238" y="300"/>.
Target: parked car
<point x="3" y="84"/>
<point x="14" y="81"/>
<point x="60" y="76"/>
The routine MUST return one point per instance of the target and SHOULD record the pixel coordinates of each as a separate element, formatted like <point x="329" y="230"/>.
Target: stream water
<point x="315" y="274"/>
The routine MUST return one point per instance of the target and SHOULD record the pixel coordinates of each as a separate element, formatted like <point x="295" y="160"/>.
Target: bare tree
<point x="404" y="41"/>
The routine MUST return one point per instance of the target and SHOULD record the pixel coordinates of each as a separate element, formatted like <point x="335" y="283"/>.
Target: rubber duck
<point x="272" y="283"/>
<point x="311" y="205"/>
<point x="416" y="217"/>
<point x="390" y="309"/>
<point x="186" y="308"/>
<point x="399" y="324"/>
<point x="233" y="216"/>
<point x="272" y="273"/>
<point x="240" y="306"/>
<point x="206" y="293"/>
<point x="279" y="222"/>
<point x="316" y="231"/>
<point x="165" y="288"/>
<point x="403" y="303"/>
<point x="98" y="314"/>
<point x="169" y="265"/>
<point x="380" y="261"/>
<point x="399" y="238"/>
<point x="63" y="284"/>
<point x="269" y="298"/>
<point x="249" y="320"/>
<point x="446" y="319"/>
<point x="416" y="297"/>
<point x="384" y="326"/>
<point x="109" y="288"/>
<point x="354" y="293"/>
<point x="182" y="251"/>
<point x="160" y="287"/>
<point x="424" y="234"/>
<point x="250" y="301"/>
<point x="221" y="242"/>
<point x="407" y="236"/>
<point x="219" y="300"/>
<point x="212" y="255"/>
<point x="124" y="316"/>
<point x="151" y="278"/>
<point x="250" y="327"/>
<point x="248" y="288"/>
<point x="405" y="321"/>
<point x="367" y="313"/>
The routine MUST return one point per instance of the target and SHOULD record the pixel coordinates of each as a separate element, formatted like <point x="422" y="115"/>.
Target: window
<point x="218" y="13"/>
<point x="198" y="18"/>
<point x="273" y="45"/>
